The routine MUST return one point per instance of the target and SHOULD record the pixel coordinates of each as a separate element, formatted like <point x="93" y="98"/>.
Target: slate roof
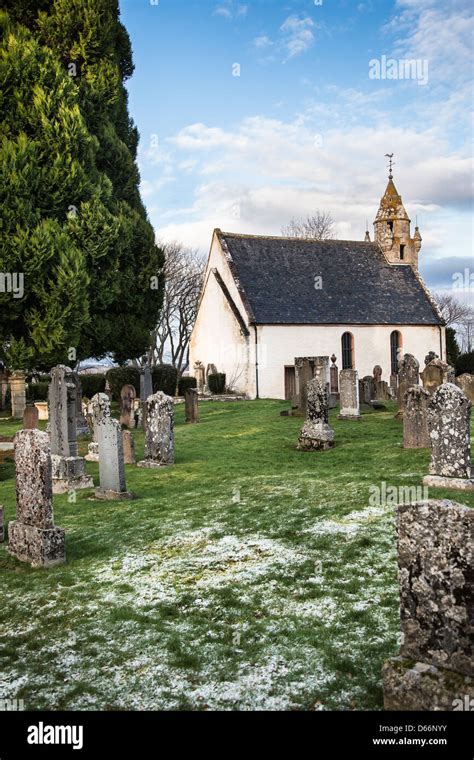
<point x="276" y="276"/>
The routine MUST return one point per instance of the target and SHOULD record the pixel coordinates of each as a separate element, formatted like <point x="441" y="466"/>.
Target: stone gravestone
<point x="111" y="461"/>
<point x="199" y="374"/>
<point x="69" y="470"/>
<point x="333" y="383"/>
<point x="18" y="394"/>
<point x="159" y="433"/>
<point x="466" y="383"/>
<point x="415" y="419"/>
<point x="449" y="421"/>
<point x="316" y="434"/>
<point x="127" y="397"/>
<point x="435" y="667"/>
<point x="349" y="393"/>
<point x="82" y="427"/>
<point x="434" y="374"/>
<point x="408" y="375"/>
<point x="98" y="409"/>
<point x="30" y="418"/>
<point x="32" y="536"/>
<point x="381" y="392"/>
<point x="191" y="405"/>
<point x="146" y="388"/>
<point x="3" y="386"/>
<point x="366" y="389"/>
<point x="128" y="447"/>
<point x="304" y="372"/>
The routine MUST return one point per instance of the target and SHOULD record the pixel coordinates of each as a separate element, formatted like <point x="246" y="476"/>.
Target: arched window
<point x="395" y="350"/>
<point x="347" y="341"/>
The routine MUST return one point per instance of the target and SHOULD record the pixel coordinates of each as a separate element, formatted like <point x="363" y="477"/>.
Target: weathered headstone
<point x="381" y="389"/>
<point x="349" y="395"/>
<point x="304" y="372"/>
<point x="159" y="433"/>
<point x="366" y="389"/>
<point x="435" y="667"/>
<point x="3" y="387"/>
<point x="199" y="374"/>
<point x="30" y="417"/>
<point x="69" y="470"/>
<point x="82" y="427"/>
<point x="316" y="434"/>
<point x="127" y="397"/>
<point x="415" y="420"/>
<point x="98" y="409"/>
<point x="111" y="461"/>
<point x="191" y="405"/>
<point x="334" y="396"/>
<point x="434" y="374"/>
<point x="146" y="388"/>
<point x="128" y="447"/>
<point x="18" y="394"/>
<point x="32" y="536"/>
<point x="466" y="383"/>
<point x="377" y="373"/>
<point x="408" y="375"/>
<point x="449" y="420"/>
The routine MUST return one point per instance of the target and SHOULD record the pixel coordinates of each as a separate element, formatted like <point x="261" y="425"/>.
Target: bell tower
<point x="392" y="227"/>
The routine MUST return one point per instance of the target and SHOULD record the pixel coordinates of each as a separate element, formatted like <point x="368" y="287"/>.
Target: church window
<point x="390" y="226"/>
<point x="347" y="351"/>
<point x="395" y="350"/>
<point x="402" y="252"/>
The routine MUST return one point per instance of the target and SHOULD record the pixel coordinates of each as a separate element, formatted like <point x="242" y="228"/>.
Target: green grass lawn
<point x="247" y="576"/>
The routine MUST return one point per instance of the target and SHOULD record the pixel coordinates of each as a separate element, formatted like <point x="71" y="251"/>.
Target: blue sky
<point x="254" y="112"/>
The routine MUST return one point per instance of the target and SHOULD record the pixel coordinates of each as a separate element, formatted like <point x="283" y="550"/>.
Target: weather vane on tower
<point x="390" y="164"/>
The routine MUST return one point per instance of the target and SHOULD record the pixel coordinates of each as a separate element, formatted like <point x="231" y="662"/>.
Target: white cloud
<point x="230" y="10"/>
<point x="262" y="42"/>
<point x="297" y="35"/>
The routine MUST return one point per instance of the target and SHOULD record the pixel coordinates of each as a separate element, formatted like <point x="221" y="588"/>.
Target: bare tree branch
<point x="320" y="226"/>
<point x="452" y="310"/>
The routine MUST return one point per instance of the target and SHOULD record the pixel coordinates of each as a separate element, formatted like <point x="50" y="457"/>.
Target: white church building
<point x="267" y="300"/>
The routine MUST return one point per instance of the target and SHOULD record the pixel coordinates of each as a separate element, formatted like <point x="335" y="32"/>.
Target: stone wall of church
<point x="280" y="344"/>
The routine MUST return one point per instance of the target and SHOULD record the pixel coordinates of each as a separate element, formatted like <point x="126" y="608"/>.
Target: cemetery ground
<point x="246" y="576"/>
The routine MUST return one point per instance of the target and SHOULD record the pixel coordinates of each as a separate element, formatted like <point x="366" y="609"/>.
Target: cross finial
<point x="391" y="163"/>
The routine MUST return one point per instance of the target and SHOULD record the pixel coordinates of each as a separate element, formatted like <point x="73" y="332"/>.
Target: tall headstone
<point x="82" y="427"/>
<point x="415" y="420"/>
<point x="435" y="666"/>
<point x="128" y="447"/>
<point x="98" y="409"/>
<point x="146" y="388"/>
<point x="127" y="397"/>
<point x="434" y="374"/>
<point x="30" y="417"/>
<point x="304" y="372"/>
<point x="366" y="389"/>
<point x="69" y="470"/>
<point x="18" y="394"/>
<point x="466" y="383"/>
<point x="349" y="394"/>
<point x="159" y="432"/>
<point x="32" y="536"/>
<point x="316" y="434"/>
<point x="199" y="374"/>
<point x="191" y="405"/>
<point x="449" y="423"/>
<point x="408" y="375"/>
<point x="111" y="461"/>
<point x="334" y="376"/>
<point x="381" y="390"/>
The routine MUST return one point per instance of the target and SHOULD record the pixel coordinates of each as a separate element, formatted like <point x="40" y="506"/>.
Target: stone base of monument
<point x="349" y="417"/>
<point x="92" y="452"/>
<point x="440" y="481"/>
<point x="315" y="437"/>
<point x="37" y="546"/>
<point x="69" y="473"/>
<point x="409" y="685"/>
<point x="151" y="463"/>
<point x="106" y="494"/>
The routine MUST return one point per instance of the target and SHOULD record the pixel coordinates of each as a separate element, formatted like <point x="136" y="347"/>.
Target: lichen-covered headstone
<point x="33" y="536"/>
<point x="98" y="409"/>
<point x="316" y="434"/>
<point x="466" y="383"/>
<point x="349" y="395"/>
<point x="415" y="419"/>
<point x="30" y="418"/>
<point x="408" y="375"/>
<point x="191" y="405"/>
<point x="366" y="389"/>
<point x="69" y="471"/>
<point x="449" y="418"/>
<point x="127" y="397"/>
<point x="435" y="373"/>
<point x="111" y="460"/>
<point x="435" y="665"/>
<point x="159" y="432"/>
